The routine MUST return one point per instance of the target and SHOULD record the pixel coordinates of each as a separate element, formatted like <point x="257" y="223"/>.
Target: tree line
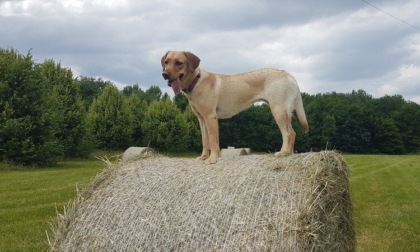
<point x="47" y="114"/>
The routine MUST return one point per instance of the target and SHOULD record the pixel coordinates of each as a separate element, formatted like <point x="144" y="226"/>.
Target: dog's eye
<point x="178" y="63"/>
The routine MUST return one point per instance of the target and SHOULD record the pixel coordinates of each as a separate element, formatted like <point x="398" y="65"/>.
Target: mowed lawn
<point x="386" y="199"/>
<point x="30" y="198"/>
<point x="385" y="194"/>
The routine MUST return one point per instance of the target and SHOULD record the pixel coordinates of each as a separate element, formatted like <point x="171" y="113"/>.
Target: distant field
<point x="385" y="193"/>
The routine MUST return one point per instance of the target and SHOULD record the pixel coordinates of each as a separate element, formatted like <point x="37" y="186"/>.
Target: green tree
<point x="328" y="131"/>
<point x="109" y="120"/>
<point x="254" y="128"/>
<point x="91" y="88"/>
<point x="396" y="125"/>
<point x="181" y="102"/>
<point x="193" y="130"/>
<point x="386" y="137"/>
<point x="389" y="105"/>
<point x="134" y="89"/>
<point x="136" y="109"/>
<point x="152" y="94"/>
<point x="69" y="109"/>
<point x="27" y="124"/>
<point x="321" y="117"/>
<point x="407" y="121"/>
<point x="164" y="127"/>
<point x="341" y="120"/>
<point x="165" y="96"/>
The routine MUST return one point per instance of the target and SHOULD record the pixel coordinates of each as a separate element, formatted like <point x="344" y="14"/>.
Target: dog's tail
<point x="300" y="112"/>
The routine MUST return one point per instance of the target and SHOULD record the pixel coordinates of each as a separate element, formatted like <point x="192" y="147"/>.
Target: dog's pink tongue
<point x="176" y="86"/>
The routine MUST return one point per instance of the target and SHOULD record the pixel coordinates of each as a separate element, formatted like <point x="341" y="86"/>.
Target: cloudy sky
<point x="327" y="45"/>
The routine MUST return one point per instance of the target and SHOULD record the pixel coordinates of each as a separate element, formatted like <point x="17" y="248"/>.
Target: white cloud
<point x="415" y="99"/>
<point x="407" y="81"/>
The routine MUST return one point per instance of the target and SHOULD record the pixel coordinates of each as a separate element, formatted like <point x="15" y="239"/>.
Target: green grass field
<point x="30" y="197"/>
<point x="385" y="193"/>
<point x="386" y="200"/>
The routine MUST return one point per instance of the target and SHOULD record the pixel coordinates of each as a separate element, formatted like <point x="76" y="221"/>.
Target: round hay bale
<point x="133" y="153"/>
<point x="233" y="152"/>
<point x="251" y="203"/>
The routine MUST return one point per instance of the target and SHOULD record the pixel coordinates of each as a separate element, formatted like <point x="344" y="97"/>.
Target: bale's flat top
<point x="244" y="203"/>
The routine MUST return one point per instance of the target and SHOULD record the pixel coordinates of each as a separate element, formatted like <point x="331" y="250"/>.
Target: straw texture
<point x="242" y="203"/>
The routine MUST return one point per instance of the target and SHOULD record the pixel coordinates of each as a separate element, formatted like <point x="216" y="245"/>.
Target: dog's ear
<point x="162" y="61"/>
<point x="193" y="61"/>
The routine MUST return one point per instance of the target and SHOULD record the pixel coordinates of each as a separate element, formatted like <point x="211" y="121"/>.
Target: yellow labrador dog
<point x="212" y="96"/>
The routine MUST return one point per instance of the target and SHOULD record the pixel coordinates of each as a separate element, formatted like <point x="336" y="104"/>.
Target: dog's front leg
<point x="204" y="134"/>
<point x="212" y="126"/>
<point x="204" y="139"/>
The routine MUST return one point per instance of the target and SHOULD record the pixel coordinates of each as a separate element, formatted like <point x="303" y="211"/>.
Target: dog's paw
<point x="210" y="160"/>
<point x="282" y="154"/>
<point x="202" y="157"/>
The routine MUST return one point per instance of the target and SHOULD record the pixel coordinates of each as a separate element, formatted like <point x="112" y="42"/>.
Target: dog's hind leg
<point x="283" y="119"/>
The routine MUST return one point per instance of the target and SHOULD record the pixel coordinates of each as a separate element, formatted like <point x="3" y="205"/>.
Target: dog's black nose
<point x="165" y="76"/>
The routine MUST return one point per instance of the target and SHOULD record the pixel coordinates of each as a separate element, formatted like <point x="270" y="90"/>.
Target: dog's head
<point x="178" y="68"/>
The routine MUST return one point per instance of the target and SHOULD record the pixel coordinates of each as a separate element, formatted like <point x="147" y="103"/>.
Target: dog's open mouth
<point x="171" y="81"/>
<point x="176" y="84"/>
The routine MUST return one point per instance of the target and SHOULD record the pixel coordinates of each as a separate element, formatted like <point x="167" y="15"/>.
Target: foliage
<point x="91" y="88"/>
<point x="181" y="102"/>
<point x="164" y="127"/>
<point x="358" y="123"/>
<point x="47" y="114"/>
<point x="134" y="89"/>
<point x="108" y="120"/>
<point x="135" y="111"/>
<point x="193" y="131"/>
<point x="150" y="95"/>
<point x="27" y="126"/>
<point x="254" y="128"/>
<point x="69" y="109"/>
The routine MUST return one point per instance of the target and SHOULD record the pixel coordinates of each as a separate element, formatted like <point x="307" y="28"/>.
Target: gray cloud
<point x="328" y="45"/>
